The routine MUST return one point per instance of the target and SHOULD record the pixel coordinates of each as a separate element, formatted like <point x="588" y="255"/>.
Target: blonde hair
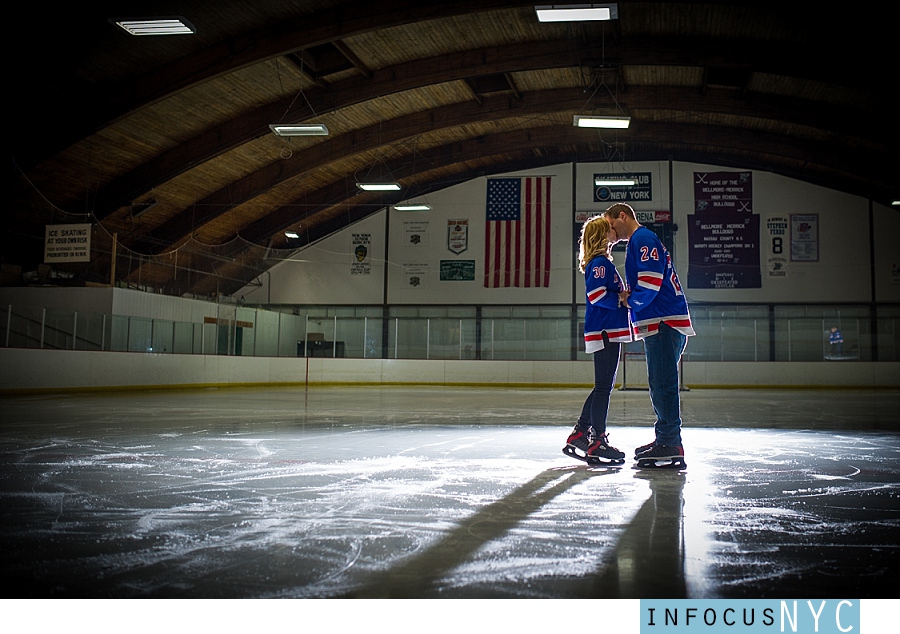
<point x="594" y="241"/>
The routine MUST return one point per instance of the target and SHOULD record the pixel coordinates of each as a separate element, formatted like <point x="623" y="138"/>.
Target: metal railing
<point x="754" y="334"/>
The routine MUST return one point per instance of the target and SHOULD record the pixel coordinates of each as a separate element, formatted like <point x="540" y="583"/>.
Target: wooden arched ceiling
<point x="430" y="94"/>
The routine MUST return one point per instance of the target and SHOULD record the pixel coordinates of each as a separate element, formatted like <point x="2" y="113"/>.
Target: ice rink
<point x="445" y="492"/>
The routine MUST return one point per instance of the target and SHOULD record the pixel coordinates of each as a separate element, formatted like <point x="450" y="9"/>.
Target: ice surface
<point x="379" y="492"/>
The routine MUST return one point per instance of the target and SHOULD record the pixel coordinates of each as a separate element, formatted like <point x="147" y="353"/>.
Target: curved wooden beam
<point x="698" y="141"/>
<point x="497" y="108"/>
<point x="103" y="107"/>
<point x="514" y="58"/>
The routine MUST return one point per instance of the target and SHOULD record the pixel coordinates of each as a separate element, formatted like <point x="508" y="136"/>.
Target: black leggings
<point x="596" y="407"/>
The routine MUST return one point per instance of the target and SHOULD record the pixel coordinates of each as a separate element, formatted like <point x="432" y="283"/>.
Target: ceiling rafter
<point x="107" y="105"/>
<point x="497" y="108"/>
<point x="508" y="59"/>
<point x="698" y="138"/>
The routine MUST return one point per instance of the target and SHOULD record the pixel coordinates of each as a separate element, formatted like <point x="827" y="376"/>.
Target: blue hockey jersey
<point x="656" y="294"/>
<point x="602" y="312"/>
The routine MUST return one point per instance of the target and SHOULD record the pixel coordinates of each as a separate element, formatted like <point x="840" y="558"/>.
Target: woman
<point x="606" y="327"/>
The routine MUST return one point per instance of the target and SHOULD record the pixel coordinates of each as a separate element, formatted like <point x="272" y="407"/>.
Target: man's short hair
<point x="614" y="210"/>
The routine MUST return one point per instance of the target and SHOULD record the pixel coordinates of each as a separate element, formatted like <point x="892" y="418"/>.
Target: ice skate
<point x="600" y="452"/>
<point x="577" y="443"/>
<point x="661" y="457"/>
<point x="639" y="450"/>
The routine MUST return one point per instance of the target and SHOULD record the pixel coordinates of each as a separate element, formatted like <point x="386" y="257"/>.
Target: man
<point x="836" y="342"/>
<point x="660" y="318"/>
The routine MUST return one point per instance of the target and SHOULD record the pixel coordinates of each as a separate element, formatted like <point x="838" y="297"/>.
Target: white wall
<point x="467" y="201"/>
<point x="116" y="301"/>
<point x="134" y="303"/>
<point x="887" y="253"/>
<point x="23" y="370"/>
<point x="328" y="272"/>
<point x="321" y="274"/>
<point x="842" y="272"/>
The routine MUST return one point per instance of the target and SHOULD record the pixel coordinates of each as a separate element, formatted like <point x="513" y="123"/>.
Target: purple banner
<point x="723" y="191"/>
<point x="724" y="251"/>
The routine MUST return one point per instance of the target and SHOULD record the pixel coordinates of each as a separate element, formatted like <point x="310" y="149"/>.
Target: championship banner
<point x="360" y="248"/>
<point x="458" y="235"/>
<point x="804" y="237"/>
<point x="723" y="191"/>
<point x="67" y="243"/>
<point x="723" y="251"/>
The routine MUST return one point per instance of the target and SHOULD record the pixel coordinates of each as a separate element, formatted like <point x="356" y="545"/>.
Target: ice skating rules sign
<point x="67" y="243"/>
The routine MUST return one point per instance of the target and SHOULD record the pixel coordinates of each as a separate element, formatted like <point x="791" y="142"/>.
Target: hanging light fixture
<point x="379" y="187"/>
<point x="299" y="129"/>
<point x="577" y="12"/>
<point x="590" y="121"/>
<point x="155" y="26"/>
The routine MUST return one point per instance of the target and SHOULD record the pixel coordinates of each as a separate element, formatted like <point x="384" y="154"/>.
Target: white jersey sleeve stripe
<point x="597" y="294"/>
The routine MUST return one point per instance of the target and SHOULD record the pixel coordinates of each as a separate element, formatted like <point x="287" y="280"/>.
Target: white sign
<point x="415" y="233"/>
<point x="67" y="243"/>
<point x="415" y="276"/>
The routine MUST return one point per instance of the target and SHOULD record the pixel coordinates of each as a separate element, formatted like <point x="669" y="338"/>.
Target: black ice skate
<point x="577" y="443"/>
<point x="600" y="452"/>
<point x="638" y="451"/>
<point x="661" y="457"/>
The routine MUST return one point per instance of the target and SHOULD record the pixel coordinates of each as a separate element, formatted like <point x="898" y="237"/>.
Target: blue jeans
<point x="663" y="352"/>
<point x="596" y="406"/>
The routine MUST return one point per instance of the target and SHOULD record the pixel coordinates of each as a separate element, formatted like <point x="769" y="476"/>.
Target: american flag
<point x="517" y="232"/>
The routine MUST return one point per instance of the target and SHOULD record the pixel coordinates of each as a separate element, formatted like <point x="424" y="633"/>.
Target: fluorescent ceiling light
<point x="411" y="207"/>
<point x="379" y="187"/>
<point x="577" y="12"/>
<point x="583" y="121"/>
<point x="895" y="203"/>
<point x="155" y="26"/>
<point x="293" y="235"/>
<point x="299" y="129"/>
<point x="614" y="182"/>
